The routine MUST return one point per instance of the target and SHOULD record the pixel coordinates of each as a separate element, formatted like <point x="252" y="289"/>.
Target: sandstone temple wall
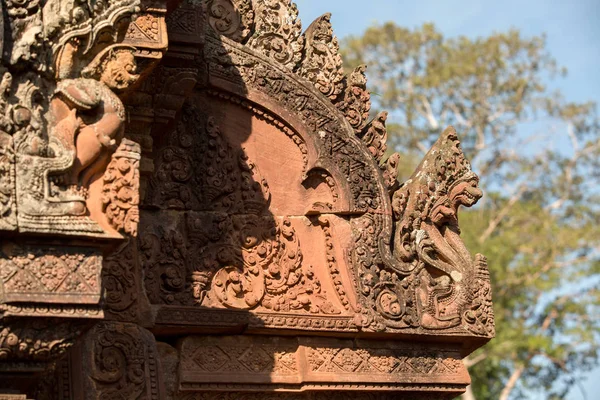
<point x="196" y="203"/>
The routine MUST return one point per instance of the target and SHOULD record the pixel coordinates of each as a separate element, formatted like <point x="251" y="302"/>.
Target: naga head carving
<point x="455" y="185"/>
<point x="430" y="199"/>
<point x="427" y="234"/>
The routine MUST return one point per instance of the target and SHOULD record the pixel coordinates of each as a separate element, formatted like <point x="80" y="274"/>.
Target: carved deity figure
<point x="88" y="115"/>
<point x="426" y="211"/>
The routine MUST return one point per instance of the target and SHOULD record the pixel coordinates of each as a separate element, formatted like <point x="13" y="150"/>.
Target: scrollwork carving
<point x="120" y="361"/>
<point x="37" y="339"/>
<point x="231" y="18"/>
<point x="277" y="32"/>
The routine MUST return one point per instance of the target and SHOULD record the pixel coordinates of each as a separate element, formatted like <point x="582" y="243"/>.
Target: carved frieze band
<point x="306" y="363"/>
<point x="69" y="275"/>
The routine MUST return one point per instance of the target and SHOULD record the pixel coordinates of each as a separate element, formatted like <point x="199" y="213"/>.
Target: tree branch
<point x="512" y="381"/>
<point x="496" y="221"/>
<point x="469" y="362"/>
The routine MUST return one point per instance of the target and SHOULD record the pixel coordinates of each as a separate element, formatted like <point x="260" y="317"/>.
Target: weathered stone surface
<point x="250" y="363"/>
<point x="226" y="208"/>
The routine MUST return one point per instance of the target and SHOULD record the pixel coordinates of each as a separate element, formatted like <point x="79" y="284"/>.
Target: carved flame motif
<point x="322" y="64"/>
<point x="277" y="31"/>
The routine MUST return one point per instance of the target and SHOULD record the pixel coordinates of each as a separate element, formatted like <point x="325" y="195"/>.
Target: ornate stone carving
<point x="480" y="315"/>
<point x="356" y="100"/>
<point x="321" y="63"/>
<point x="427" y="234"/>
<point x="265" y="204"/>
<point x="244" y="257"/>
<point x="231" y="18"/>
<point x="285" y="364"/>
<point x="124" y="298"/>
<point x="277" y="32"/>
<point x="120" y="361"/>
<point x="375" y="136"/>
<point x="49" y="274"/>
<point x="120" y="192"/>
<point x="52" y="162"/>
<point x="390" y="173"/>
<point x="324" y="395"/>
<point x="8" y="218"/>
<point x="66" y="168"/>
<point x="37" y="340"/>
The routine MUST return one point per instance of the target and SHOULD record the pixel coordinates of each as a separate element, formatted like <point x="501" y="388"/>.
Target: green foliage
<point x="538" y="157"/>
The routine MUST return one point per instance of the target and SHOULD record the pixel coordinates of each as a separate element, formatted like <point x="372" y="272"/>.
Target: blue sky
<point x="573" y="38"/>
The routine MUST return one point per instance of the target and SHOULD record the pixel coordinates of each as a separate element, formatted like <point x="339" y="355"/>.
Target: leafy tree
<point x="538" y="157"/>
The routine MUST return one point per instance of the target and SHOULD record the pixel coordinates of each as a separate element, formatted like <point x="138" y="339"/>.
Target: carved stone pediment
<point x="333" y="244"/>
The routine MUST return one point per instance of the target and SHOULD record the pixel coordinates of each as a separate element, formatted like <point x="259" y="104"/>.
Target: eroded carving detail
<point x="427" y="233"/>
<point x="231" y="18"/>
<point x="375" y="136"/>
<point x="321" y="63"/>
<point x="277" y="32"/>
<point x="50" y="275"/>
<point x="120" y="361"/>
<point x="298" y="363"/>
<point x="8" y="219"/>
<point x="317" y="113"/>
<point x="38" y="339"/>
<point x="68" y="65"/>
<point x="120" y="193"/>
<point x="356" y="101"/>
<point x="121" y="276"/>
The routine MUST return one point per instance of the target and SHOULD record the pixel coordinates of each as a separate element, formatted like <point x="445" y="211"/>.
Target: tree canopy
<point x="538" y="157"/>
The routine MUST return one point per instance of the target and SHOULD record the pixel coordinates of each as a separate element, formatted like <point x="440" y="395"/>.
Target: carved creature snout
<point x="466" y="192"/>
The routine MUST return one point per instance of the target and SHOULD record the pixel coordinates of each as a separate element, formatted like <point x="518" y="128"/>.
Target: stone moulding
<point x="298" y="364"/>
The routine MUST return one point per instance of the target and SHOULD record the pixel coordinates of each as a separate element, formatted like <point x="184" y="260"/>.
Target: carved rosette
<point x="231" y="18"/>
